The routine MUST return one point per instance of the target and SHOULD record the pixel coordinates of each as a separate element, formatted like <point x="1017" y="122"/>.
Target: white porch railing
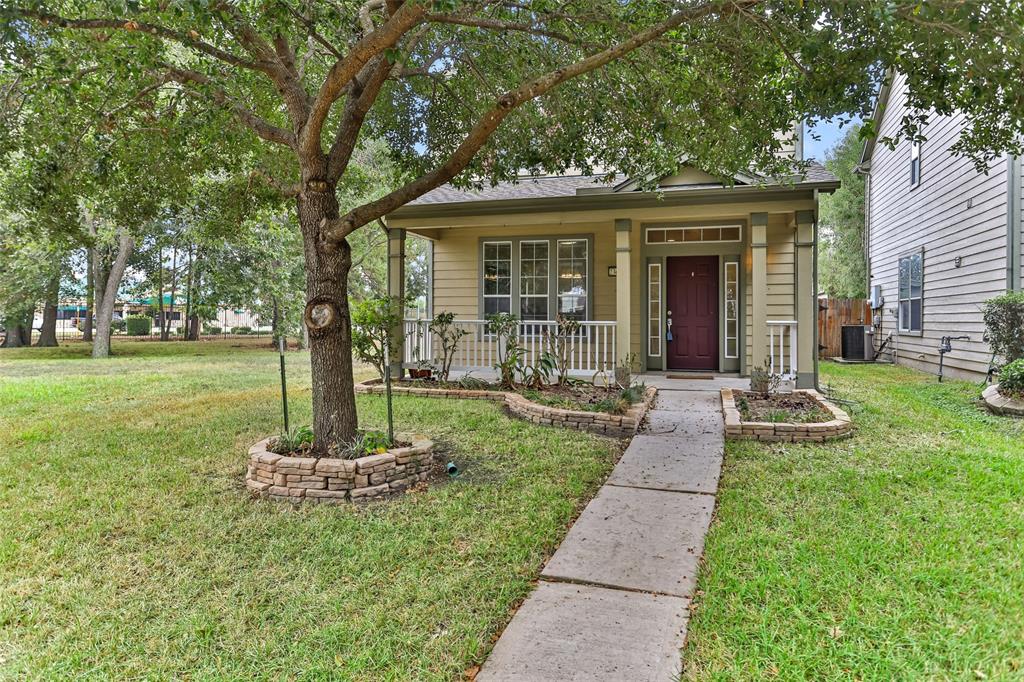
<point x="782" y="348"/>
<point x="592" y="349"/>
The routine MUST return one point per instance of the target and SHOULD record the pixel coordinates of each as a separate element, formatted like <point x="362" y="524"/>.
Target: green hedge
<point x="213" y="330"/>
<point x="138" y="325"/>
<point x="241" y="330"/>
<point x="1004" y="322"/>
<point x="1011" y="377"/>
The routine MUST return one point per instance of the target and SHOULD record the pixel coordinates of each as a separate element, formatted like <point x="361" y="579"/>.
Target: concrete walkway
<point x="613" y="602"/>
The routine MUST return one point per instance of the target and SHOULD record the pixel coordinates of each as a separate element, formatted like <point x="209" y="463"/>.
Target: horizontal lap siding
<point x="935" y="215"/>
<point x="781" y="277"/>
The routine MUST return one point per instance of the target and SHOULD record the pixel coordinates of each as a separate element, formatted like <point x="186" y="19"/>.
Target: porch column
<point x="396" y="290"/>
<point x="759" y="288"/>
<point x="623" y="282"/>
<point x="806" y="300"/>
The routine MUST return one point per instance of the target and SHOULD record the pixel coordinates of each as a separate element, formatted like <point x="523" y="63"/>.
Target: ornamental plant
<point x="448" y="334"/>
<point x="1011" y="378"/>
<point x="1004" y="324"/>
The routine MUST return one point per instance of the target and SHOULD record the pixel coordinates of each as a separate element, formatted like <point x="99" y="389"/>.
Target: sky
<point x="830" y="134"/>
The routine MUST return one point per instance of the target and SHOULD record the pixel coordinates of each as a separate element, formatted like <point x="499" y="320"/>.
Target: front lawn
<point x="897" y="554"/>
<point x="129" y="547"/>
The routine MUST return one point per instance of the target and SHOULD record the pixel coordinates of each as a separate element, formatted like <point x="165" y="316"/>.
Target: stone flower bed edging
<point x="735" y="428"/>
<point x="1002" y="404"/>
<point x="333" y="481"/>
<point x="619" y="425"/>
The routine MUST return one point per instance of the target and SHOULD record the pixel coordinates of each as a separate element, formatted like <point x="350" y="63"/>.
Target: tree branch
<point x="287" y="190"/>
<point x="361" y="97"/>
<point x="337" y="229"/>
<point x="498" y="25"/>
<point x="344" y="70"/>
<point x="268" y="131"/>
<point x="190" y="39"/>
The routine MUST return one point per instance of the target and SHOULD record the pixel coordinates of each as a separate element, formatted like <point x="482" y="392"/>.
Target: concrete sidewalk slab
<point x="636" y="539"/>
<point x="586" y="633"/>
<point x="688" y="464"/>
<point x="682" y="422"/>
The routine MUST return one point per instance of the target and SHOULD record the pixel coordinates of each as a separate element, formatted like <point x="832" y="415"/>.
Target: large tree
<point x="841" y="257"/>
<point x="474" y="91"/>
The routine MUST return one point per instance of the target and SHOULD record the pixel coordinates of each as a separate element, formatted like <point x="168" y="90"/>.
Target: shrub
<point x="560" y="345"/>
<point x="241" y="330"/>
<point x="370" y="443"/>
<point x="510" y="354"/>
<point x="1011" y="377"/>
<point x="1004" y="322"/>
<point x="138" y="325"/>
<point x="213" y="330"/>
<point x="117" y="324"/>
<point x="300" y="439"/>
<point x="763" y="380"/>
<point x="448" y="335"/>
<point x="373" y="322"/>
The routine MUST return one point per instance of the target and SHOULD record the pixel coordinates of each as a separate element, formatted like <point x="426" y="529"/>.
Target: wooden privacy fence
<point x="833" y="313"/>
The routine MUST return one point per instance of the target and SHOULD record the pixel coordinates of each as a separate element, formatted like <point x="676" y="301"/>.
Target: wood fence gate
<point x="833" y="313"/>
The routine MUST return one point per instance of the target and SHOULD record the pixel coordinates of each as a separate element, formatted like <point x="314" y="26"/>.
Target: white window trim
<point x="664" y="228"/>
<point x="735" y="267"/>
<point x="654" y="321"/>
<point x="483" y="261"/>
<point x="903" y="326"/>
<point x="547" y="293"/>
<point x="915" y="158"/>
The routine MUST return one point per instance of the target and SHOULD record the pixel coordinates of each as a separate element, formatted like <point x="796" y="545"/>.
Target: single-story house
<point x="695" y="275"/>
<point x="942" y="238"/>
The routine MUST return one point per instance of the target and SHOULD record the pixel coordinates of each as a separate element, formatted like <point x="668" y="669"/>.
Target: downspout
<point x="1014" y="226"/>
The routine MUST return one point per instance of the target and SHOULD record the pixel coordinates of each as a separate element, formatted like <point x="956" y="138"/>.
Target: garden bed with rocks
<point x="576" y="407"/>
<point x="1003" y="402"/>
<point x="333" y="480"/>
<point x="803" y="415"/>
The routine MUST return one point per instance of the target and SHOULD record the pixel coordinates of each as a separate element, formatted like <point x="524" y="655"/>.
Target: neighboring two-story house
<point x="942" y="238"/>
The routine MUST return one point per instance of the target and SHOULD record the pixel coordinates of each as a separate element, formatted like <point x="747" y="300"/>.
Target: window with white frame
<point x="732" y="295"/>
<point x="533" y="280"/>
<point x="915" y="163"/>
<point x="672" y="235"/>
<point x="497" y="274"/>
<point x="654" y="309"/>
<point x="536" y="279"/>
<point x="911" y="292"/>
<point x="573" y="284"/>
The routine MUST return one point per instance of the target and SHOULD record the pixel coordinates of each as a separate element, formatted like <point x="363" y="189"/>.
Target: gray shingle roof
<point x="546" y="187"/>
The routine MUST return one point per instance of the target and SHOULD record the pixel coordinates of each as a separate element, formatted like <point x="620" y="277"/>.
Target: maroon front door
<point x="693" y="310"/>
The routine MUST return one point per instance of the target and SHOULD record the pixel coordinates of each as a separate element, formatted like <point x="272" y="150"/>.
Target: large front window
<point x="911" y="292"/>
<point x="536" y="279"/>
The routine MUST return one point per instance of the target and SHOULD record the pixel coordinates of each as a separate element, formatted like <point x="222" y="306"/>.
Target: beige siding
<point x="781" y="267"/>
<point x="955" y="211"/>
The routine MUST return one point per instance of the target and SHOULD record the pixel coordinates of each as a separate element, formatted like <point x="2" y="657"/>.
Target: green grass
<point x="129" y="548"/>
<point x="897" y="554"/>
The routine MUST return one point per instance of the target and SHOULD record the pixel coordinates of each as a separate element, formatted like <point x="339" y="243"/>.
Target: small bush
<point x="242" y="331"/>
<point x="1011" y="378"/>
<point x="117" y="324"/>
<point x="763" y="381"/>
<point x="299" y="440"/>
<point x="370" y="443"/>
<point x="1004" y="322"/>
<point x="213" y="330"/>
<point x="138" y="325"/>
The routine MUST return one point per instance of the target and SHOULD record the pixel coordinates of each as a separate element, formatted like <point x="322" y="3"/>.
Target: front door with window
<point x="692" y="309"/>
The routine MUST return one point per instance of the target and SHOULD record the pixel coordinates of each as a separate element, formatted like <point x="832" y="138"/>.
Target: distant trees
<point x="841" y="256"/>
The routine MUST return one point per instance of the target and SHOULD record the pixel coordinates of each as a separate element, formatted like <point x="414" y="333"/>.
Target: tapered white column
<point x="806" y="299"/>
<point x="759" y="288"/>
<point x="623" y="298"/>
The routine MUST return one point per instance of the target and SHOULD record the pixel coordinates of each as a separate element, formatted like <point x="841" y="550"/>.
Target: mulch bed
<point x="797" y="408"/>
<point x="573" y="396"/>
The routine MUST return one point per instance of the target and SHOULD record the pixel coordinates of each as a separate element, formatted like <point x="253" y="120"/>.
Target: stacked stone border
<point x="618" y="425"/>
<point x="1002" y="404"/>
<point x="331" y="480"/>
<point x="839" y="426"/>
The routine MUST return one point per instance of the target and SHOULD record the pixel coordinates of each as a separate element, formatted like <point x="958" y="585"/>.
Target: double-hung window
<point x="911" y="292"/>
<point x="536" y="279"/>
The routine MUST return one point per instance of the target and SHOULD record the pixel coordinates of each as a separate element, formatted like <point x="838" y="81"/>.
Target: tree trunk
<point x="18" y="335"/>
<point x="327" y="317"/>
<point x="193" y="327"/>
<point x="105" y="301"/>
<point x="48" y="330"/>
<point x="89" y="296"/>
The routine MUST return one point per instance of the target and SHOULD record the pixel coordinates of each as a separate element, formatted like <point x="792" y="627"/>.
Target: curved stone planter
<point x="839" y="426"/>
<point x="331" y="480"/>
<point x="618" y="425"/>
<point x="1002" y="404"/>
